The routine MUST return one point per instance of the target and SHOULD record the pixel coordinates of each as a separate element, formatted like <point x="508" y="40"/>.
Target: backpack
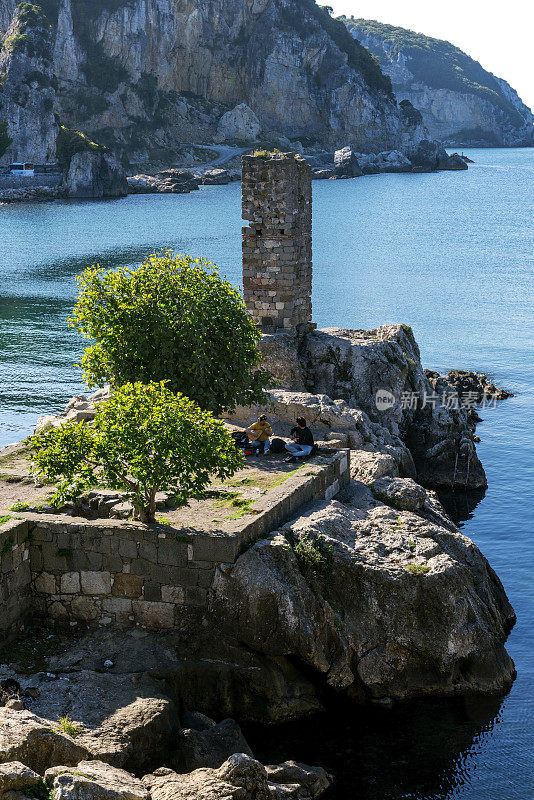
<point x="240" y="439"/>
<point x="278" y="446"/>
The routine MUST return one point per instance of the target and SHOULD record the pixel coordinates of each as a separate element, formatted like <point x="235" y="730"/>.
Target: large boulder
<point x="35" y="742"/>
<point x="95" y="175"/>
<point x="383" y="603"/>
<point x="240" y="778"/>
<point x="346" y="163"/>
<point x="380" y="372"/>
<point x="206" y="744"/>
<point x="16" y="777"/>
<point x="124" y="721"/>
<point x="429" y="154"/>
<point x="241" y="124"/>
<point x="401" y="493"/>
<point x="94" y="780"/>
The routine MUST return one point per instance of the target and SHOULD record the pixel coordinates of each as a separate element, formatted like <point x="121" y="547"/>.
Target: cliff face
<point x="147" y="75"/>
<point x="461" y="102"/>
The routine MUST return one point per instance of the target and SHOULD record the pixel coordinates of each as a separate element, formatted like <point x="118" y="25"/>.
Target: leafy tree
<point x="144" y="439"/>
<point x="5" y="139"/>
<point x="175" y="319"/>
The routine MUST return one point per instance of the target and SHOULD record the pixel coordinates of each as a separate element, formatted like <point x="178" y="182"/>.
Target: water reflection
<point x="460" y="504"/>
<point x="421" y="750"/>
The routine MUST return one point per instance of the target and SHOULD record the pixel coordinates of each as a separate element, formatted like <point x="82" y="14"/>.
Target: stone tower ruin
<point x="277" y="244"/>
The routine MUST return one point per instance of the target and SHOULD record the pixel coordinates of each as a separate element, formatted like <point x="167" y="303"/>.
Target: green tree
<point x="144" y="439"/>
<point x="175" y="319"/>
<point x="5" y="139"/>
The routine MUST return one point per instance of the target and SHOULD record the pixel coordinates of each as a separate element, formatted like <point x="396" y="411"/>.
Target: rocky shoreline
<point x="372" y="595"/>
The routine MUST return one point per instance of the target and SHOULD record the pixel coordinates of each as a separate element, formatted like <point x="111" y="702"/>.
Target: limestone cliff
<point x="460" y="101"/>
<point x="144" y="76"/>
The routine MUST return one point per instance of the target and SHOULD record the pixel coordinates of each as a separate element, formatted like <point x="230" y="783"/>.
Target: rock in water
<point x="383" y="603"/>
<point x="95" y="175"/>
<point x="346" y="163"/>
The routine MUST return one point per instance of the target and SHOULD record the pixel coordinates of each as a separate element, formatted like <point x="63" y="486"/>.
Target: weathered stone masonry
<point x="124" y="574"/>
<point x="277" y="244"/>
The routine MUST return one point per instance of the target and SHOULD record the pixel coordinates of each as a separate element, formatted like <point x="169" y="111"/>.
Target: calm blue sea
<point x="450" y="254"/>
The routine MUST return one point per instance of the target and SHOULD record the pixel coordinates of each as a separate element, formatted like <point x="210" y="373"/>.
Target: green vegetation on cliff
<point x="437" y="63"/>
<point x="70" y="142"/>
<point x="358" y="57"/>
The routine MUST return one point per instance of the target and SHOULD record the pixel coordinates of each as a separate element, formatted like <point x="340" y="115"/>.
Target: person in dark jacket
<point x="302" y="443"/>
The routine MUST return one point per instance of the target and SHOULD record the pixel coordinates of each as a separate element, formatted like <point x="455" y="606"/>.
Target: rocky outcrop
<point x="27" y="94"/>
<point x="36" y="742"/>
<point x="283" y="68"/>
<point x="459" y="101"/>
<point x="205" y="744"/>
<point x="240" y="124"/>
<point x="95" y="780"/>
<point x="95" y="175"/>
<point x="239" y="778"/>
<point x="383" y="603"/>
<point x="170" y="181"/>
<point x="379" y="373"/>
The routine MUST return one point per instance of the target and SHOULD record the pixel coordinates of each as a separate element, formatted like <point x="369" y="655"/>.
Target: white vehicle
<point x="26" y="170"/>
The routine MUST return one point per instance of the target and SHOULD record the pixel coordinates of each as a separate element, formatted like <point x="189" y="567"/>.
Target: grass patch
<point x="66" y="725"/>
<point x="418" y="569"/>
<point x="20" y="505"/>
<point x="283" y="478"/>
<point x="5" y="518"/>
<point x="162" y="520"/>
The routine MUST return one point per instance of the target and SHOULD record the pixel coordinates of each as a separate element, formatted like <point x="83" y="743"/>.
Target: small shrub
<point x="70" y="142"/>
<point x="20" y="505"/>
<point x="4" y="518"/>
<point x="418" y="569"/>
<point x="316" y="562"/>
<point x="66" y="725"/>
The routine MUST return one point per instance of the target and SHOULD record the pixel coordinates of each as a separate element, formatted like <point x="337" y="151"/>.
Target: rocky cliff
<point x="145" y="76"/>
<point x="460" y="101"/>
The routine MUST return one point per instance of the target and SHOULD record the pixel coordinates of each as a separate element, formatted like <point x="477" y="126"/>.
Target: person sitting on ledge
<point x="261" y="432"/>
<point x="302" y="443"/>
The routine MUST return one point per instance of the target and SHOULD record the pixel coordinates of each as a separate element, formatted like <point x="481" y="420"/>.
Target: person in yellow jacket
<point x="261" y="431"/>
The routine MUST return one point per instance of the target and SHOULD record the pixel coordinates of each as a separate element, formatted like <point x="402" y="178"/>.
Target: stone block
<point x="127" y="548"/>
<point x="45" y="583"/>
<point x="84" y="608"/>
<point x="173" y="594"/>
<point x="153" y="615"/>
<point x="152" y="591"/>
<point x="149" y="551"/>
<point x="70" y="583"/>
<point x="171" y="552"/>
<point x="95" y="583"/>
<point x="127" y="586"/>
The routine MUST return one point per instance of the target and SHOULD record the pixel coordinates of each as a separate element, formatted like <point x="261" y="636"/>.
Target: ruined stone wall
<point x="15" y="577"/>
<point x="277" y="244"/>
<point x="126" y="574"/>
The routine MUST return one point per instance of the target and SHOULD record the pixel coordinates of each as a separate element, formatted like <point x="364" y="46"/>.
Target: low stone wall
<point x="124" y="574"/>
<point x="30" y="182"/>
<point x="15" y="577"/>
